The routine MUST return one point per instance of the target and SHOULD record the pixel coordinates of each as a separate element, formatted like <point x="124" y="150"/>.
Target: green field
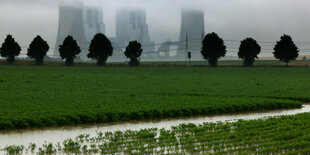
<point x="32" y="96"/>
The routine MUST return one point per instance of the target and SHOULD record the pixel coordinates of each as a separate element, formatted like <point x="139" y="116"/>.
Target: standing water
<point x="59" y="134"/>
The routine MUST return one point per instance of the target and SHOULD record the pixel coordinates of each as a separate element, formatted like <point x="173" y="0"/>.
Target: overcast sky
<point x="264" y="20"/>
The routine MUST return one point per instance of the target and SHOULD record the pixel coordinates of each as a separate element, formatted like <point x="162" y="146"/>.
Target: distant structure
<point x="70" y="23"/>
<point x="80" y="21"/>
<point x="166" y="50"/>
<point x="192" y="29"/>
<point x="131" y="25"/>
<point x="84" y="21"/>
<point x="93" y="22"/>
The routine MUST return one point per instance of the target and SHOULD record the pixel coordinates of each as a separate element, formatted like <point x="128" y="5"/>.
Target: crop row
<point x="286" y="134"/>
<point x="118" y="113"/>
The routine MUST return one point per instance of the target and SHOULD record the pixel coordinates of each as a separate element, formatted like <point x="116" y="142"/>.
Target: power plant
<point x="83" y="21"/>
<point x="131" y="25"/>
<point x="80" y="21"/>
<point x="71" y="23"/>
<point x="93" y="21"/>
<point x="190" y="38"/>
<point x="192" y="31"/>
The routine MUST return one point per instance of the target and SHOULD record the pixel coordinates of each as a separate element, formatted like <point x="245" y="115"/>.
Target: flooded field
<point x="59" y="134"/>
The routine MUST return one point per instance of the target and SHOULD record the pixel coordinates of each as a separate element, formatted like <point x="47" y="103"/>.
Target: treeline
<point x="100" y="49"/>
<point x="213" y="48"/>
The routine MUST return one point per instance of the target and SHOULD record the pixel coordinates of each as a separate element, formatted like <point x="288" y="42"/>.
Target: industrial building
<point x="93" y="21"/>
<point x="80" y="21"/>
<point x="131" y="25"/>
<point x="83" y="21"/>
<point x="192" y="31"/>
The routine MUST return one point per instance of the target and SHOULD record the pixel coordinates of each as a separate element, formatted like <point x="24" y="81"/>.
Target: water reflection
<point x="58" y="134"/>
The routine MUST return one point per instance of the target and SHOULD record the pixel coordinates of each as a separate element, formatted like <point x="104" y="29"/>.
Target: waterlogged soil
<point x="59" y="134"/>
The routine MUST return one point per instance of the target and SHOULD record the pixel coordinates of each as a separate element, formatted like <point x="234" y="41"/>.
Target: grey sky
<point x="265" y="20"/>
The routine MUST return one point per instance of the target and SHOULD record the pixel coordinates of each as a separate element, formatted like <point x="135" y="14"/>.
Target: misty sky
<point x="264" y="20"/>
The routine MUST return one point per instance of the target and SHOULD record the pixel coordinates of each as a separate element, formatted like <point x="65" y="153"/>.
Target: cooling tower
<point x="71" y="23"/>
<point x="192" y="29"/>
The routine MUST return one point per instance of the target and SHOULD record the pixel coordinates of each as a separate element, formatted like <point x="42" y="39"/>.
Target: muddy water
<point x="58" y="134"/>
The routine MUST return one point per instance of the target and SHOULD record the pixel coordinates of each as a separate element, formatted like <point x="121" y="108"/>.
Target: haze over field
<point x="265" y="20"/>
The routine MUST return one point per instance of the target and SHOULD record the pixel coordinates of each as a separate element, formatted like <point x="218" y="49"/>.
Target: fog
<point x="264" y="20"/>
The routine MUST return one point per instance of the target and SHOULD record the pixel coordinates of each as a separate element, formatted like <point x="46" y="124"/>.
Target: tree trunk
<point x="39" y="61"/>
<point x="248" y="62"/>
<point x="101" y="61"/>
<point x="69" y="61"/>
<point x="11" y="60"/>
<point x="134" y="62"/>
<point x="213" y="62"/>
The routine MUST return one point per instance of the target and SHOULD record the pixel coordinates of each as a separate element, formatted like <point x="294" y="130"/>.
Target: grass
<point x="277" y="135"/>
<point x="32" y="96"/>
